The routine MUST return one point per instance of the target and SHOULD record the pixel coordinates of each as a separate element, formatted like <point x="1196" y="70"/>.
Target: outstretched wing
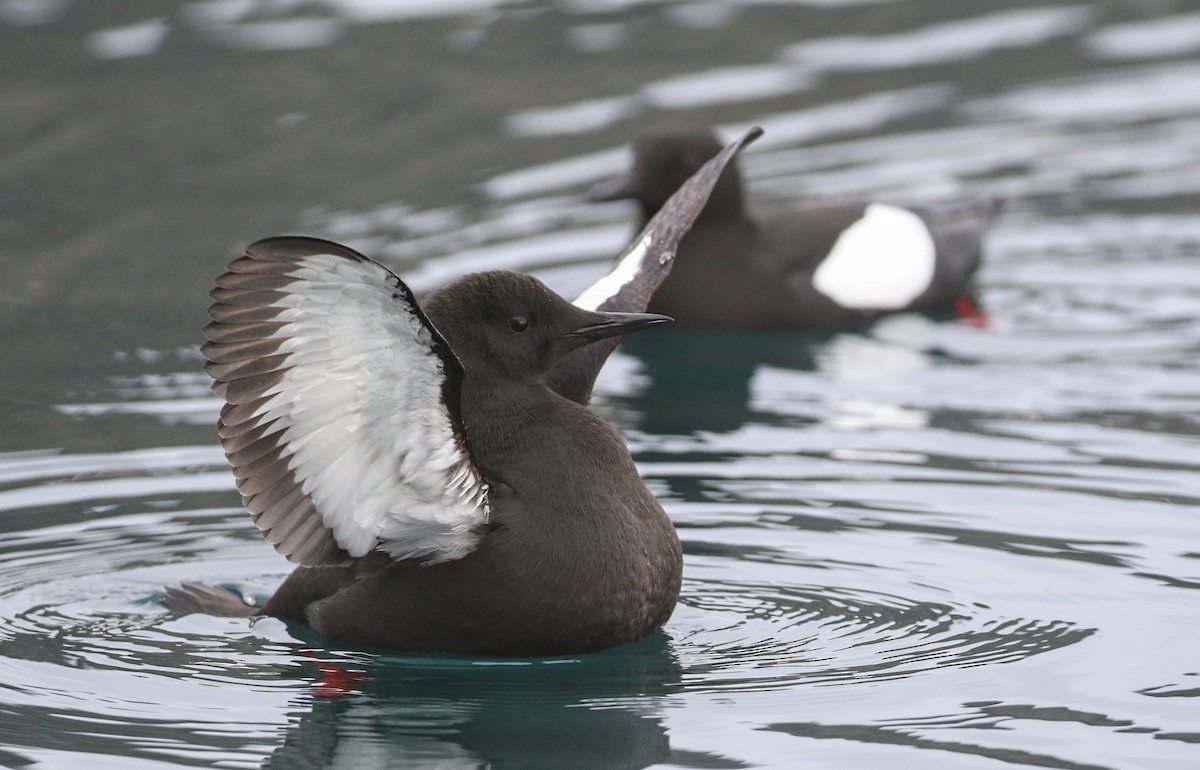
<point x="640" y="270"/>
<point x="342" y="420"/>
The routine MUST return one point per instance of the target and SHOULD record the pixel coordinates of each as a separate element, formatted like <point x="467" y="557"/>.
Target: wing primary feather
<point x="243" y="313"/>
<point x="239" y="370"/>
<point x="237" y="418"/>
<point x="251" y="388"/>
<point x="269" y="505"/>
<point x="247" y="297"/>
<point x="310" y="543"/>
<point x="260" y="264"/>
<point x="225" y="352"/>
<point x="268" y="469"/>
<point x="285" y="520"/>
<point x="272" y="280"/>
<point x="245" y="449"/>
<point x="262" y="465"/>
<point x="242" y="440"/>
<point x="320" y="550"/>
<point x="242" y="332"/>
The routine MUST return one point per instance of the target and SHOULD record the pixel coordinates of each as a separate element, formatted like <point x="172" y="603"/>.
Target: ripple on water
<point x="79" y="597"/>
<point x="92" y="667"/>
<point x="90" y="664"/>
<point x="761" y="636"/>
<point x="933" y="514"/>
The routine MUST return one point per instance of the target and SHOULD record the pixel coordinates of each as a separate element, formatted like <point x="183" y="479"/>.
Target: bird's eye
<point x="518" y="323"/>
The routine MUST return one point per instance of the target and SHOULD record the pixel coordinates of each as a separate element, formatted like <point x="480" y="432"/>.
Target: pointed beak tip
<point x="660" y="319"/>
<point x="619" y="324"/>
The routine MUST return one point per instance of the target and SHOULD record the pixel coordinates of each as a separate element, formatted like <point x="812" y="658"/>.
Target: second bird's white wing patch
<point x="883" y="261"/>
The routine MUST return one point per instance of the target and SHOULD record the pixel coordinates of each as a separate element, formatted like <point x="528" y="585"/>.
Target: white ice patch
<point x="623" y="274"/>
<point x="883" y="261"/>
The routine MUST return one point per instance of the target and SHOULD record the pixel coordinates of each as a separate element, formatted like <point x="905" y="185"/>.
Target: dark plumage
<point x="577" y="554"/>
<point x="435" y="469"/>
<point x="735" y="270"/>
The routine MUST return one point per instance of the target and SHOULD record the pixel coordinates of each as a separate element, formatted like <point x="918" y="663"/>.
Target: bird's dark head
<point x="662" y="163"/>
<point x="512" y="325"/>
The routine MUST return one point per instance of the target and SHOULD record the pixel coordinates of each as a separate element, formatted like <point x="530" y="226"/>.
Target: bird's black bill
<point x="617" y="324"/>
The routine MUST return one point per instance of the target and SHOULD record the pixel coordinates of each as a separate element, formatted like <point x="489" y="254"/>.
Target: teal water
<point x="917" y="544"/>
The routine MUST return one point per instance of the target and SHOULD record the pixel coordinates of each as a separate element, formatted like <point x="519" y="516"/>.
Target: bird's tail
<point x="189" y="598"/>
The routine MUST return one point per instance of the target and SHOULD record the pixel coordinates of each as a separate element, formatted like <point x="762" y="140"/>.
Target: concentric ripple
<point x="83" y="644"/>
<point x="762" y="636"/>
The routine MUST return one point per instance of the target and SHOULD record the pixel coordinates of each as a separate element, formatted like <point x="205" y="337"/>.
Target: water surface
<point x="914" y="544"/>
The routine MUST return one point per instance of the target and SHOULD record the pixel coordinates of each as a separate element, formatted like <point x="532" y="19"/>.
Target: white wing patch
<point x="883" y="261"/>
<point x="358" y="415"/>
<point x="626" y="271"/>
